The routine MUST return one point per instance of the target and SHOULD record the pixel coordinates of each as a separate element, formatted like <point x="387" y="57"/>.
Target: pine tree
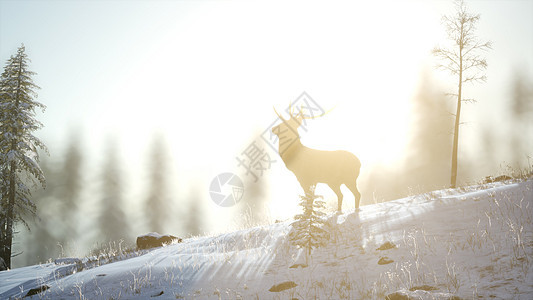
<point x="430" y="142"/>
<point x="70" y="189"/>
<point x="19" y="167"/>
<point x="520" y="115"/>
<point x="193" y="219"/>
<point x="254" y="207"/>
<point x="112" y="221"/>
<point x="308" y="230"/>
<point x="44" y="228"/>
<point x="156" y="205"/>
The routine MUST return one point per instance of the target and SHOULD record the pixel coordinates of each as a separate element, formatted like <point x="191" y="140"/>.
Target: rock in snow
<point x="386" y="246"/>
<point x="385" y="261"/>
<point x="283" y="286"/>
<point x="36" y="290"/>
<point x="154" y="239"/>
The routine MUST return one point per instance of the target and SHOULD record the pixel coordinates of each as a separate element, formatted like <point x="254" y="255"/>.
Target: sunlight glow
<point x="206" y="74"/>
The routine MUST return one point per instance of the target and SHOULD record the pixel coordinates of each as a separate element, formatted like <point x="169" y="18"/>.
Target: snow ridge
<point x="470" y="242"/>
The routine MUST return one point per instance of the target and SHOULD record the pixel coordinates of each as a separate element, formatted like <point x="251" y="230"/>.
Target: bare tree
<point x="462" y="59"/>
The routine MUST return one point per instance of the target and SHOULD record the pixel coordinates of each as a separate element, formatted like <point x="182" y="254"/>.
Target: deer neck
<point x="289" y="148"/>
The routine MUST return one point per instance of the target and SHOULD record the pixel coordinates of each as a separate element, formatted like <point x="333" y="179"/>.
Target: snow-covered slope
<point x="477" y="241"/>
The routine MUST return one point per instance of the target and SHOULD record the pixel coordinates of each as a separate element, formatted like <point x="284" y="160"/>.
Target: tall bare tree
<point x="463" y="61"/>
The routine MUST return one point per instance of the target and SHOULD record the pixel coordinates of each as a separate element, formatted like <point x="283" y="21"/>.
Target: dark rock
<point x="37" y="290"/>
<point x="385" y="261"/>
<point x="283" y="286"/>
<point x="386" y="246"/>
<point x="154" y="239"/>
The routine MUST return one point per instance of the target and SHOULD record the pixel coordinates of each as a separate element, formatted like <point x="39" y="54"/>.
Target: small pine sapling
<point x="308" y="228"/>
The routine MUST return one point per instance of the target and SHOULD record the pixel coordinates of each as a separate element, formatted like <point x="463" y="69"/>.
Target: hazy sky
<point x="206" y="74"/>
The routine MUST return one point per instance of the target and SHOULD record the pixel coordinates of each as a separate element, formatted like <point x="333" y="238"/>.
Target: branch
<point x="451" y="95"/>
<point x="479" y="46"/>
<point x="474" y="62"/>
<point x="469" y="100"/>
<point x="16" y="254"/>
<point x="446" y="55"/>
<point x="475" y="78"/>
<point x="447" y="68"/>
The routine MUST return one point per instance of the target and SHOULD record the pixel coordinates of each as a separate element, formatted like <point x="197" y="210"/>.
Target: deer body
<point x="311" y="166"/>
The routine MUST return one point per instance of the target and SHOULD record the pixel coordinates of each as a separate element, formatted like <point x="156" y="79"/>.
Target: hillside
<point x="470" y="242"/>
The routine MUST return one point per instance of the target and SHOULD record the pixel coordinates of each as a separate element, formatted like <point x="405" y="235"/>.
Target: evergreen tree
<point x="112" y="221"/>
<point x="44" y="228"/>
<point x="521" y="114"/>
<point x="19" y="158"/>
<point x="70" y="189"/>
<point x="254" y="206"/>
<point x="193" y="219"/>
<point x="157" y="203"/>
<point x="308" y="230"/>
<point x="430" y="141"/>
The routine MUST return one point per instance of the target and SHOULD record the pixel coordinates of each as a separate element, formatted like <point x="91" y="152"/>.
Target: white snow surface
<point x="470" y="242"/>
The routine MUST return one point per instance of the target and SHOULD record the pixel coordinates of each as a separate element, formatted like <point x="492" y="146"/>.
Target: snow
<point x="470" y="242"/>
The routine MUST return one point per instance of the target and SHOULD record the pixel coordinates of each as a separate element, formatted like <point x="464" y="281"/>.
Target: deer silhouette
<point x="311" y="166"/>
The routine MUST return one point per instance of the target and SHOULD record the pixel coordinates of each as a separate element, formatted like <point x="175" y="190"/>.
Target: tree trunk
<point x="455" y="145"/>
<point x="10" y="216"/>
<point x="457" y="123"/>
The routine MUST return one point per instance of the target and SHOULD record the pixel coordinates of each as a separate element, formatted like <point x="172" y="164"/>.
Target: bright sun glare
<point x="368" y="86"/>
<point x="208" y="79"/>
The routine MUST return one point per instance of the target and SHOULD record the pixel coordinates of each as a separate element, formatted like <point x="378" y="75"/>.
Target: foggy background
<point x="148" y="101"/>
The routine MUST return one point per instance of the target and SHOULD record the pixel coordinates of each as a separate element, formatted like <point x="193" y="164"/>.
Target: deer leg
<point x="337" y="190"/>
<point x="355" y="192"/>
<point x="306" y="187"/>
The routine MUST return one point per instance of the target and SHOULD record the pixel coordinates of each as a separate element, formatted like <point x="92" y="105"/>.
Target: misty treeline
<point x="502" y="145"/>
<point x="83" y="211"/>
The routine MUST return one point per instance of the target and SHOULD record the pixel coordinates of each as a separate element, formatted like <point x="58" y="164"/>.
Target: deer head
<point x="287" y="131"/>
